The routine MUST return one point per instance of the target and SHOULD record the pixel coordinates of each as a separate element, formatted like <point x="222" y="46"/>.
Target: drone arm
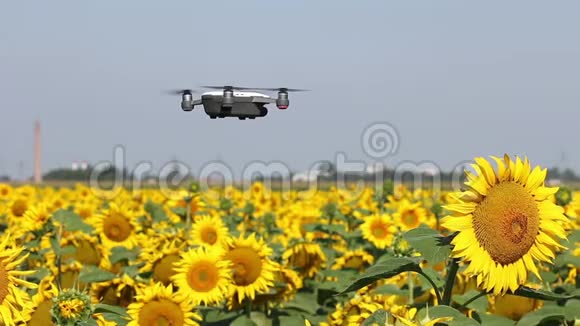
<point x="258" y="99"/>
<point x="197" y="102"/>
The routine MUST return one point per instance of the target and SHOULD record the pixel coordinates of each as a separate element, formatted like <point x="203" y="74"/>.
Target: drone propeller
<point x="180" y="91"/>
<point x="282" y="89"/>
<point x="227" y="87"/>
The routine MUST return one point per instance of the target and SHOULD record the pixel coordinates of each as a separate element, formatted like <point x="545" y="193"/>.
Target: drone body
<point x="233" y="103"/>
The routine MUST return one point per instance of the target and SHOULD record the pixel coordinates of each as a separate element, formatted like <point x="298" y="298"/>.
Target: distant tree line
<point x="330" y="174"/>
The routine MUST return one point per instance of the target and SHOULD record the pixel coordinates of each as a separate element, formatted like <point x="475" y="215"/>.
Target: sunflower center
<point x="209" y="235"/>
<point x="203" y="276"/>
<point x="163" y="269"/>
<point x="506" y="222"/>
<point x="4" y="282"/>
<point x="161" y="312"/>
<point x="379" y="230"/>
<point x="410" y="219"/>
<point x="247" y="265"/>
<point x="117" y="228"/>
<point x="19" y="207"/>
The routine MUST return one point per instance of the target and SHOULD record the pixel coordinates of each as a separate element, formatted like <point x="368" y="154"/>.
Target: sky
<point x="455" y="79"/>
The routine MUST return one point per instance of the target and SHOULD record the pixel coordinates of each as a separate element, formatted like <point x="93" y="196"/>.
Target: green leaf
<point x="425" y="240"/>
<point x="291" y="321"/>
<point x="105" y="308"/>
<point x="434" y="276"/>
<point x="566" y="258"/>
<point x="54" y="243"/>
<point x="121" y="253"/>
<point x="243" y="321"/>
<point x="155" y="211"/>
<point x="340" y="274"/>
<point x="385" y="269"/>
<point x="459" y="319"/>
<point x="379" y="317"/>
<point x="542" y="315"/>
<point x="494" y="320"/>
<point x="40" y="273"/>
<point x="304" y="302"/>
<point x="214" y="316"/>
<point x="480" y="304"/>
<point x="390" y="289"/>
<point x="71" y="221"/>
<point x="572" y="309"/>
<point x="117" y="319"/>
<point x="92" y="274"/>
<point x="527" y="292"/>
<point x="548" y="277"/>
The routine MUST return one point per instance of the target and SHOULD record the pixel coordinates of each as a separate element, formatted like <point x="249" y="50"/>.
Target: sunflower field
<point x="503" y="250"/>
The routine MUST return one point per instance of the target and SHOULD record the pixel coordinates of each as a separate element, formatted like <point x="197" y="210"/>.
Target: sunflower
<point x="35" y="218"/>
<point x="116" y="226"/>
<point x="120" y="291"/>
<point x="160" y="260"/>
<point x="358" y="260"/>
<point x="411" y="215"/>
<point x="253" y="271"/>
<point x="5" y="191"/>
<point x="379" y="230"/>
<point x="156" y="305"/>
<point x="71" y="307"/>
<point x="307" y="257"/>
<point x="203" y="276"/>
<point x="13" y="301"/>
<point x="209" y="231"/>
<point x="504" y="223"/>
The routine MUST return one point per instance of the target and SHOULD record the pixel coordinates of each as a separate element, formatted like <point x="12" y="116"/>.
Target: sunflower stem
<point x="475" y="297"/>
<point x="59" y="258"/>
<point x="248" y="308"/>
<point x="437" y="293"/>
<point x="188" y="215"/>
<point x="411" y="287"/>
<point x="451" y="274"/>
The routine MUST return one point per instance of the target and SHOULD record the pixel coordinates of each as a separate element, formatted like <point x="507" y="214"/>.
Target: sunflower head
<point x="505" y="222"/>
<point x="157" y="305"/>
<point x="253" y="271"/>
<point x="72" y="307"/>
<point x="203" y="275"/>
<point x="209" y="231"/>
<point x="379" y="229"/>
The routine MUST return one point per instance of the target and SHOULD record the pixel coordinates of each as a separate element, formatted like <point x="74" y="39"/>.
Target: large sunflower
<point x="156" y="305"/>
<point x="253" y="271"/>
<point x="203" y="276"/>
<point x="505" y="223"/>
<point x="13" y="301"/>
<point x="209" y="231"/>
<point x="116" y="226"/>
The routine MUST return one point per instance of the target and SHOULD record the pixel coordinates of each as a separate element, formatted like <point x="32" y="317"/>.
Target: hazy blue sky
<point x="458" y="79"/>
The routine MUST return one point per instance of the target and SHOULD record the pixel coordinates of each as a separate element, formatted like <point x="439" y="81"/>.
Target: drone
<point x="237" y="102"/>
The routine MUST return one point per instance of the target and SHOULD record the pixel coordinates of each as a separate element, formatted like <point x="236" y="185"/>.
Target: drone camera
<point x="282" y="101"/>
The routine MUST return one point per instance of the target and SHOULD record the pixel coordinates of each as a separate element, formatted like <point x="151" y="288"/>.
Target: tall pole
<point x="37" y="167"/>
